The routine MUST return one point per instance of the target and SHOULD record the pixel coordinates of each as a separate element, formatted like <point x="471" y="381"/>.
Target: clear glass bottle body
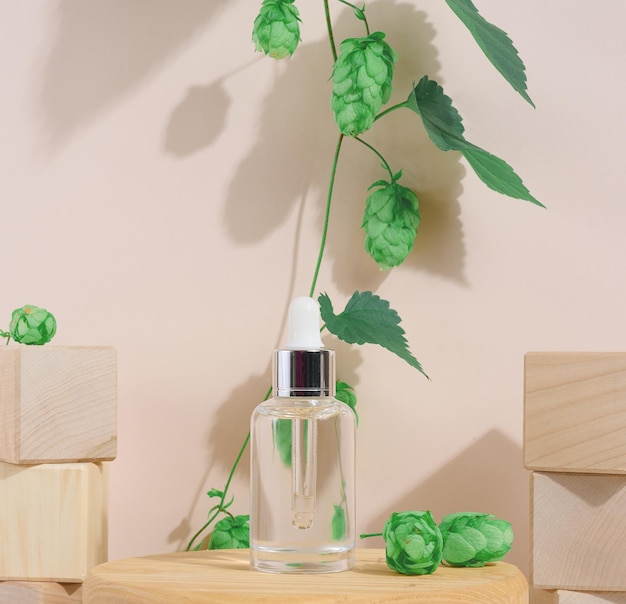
<point x="302" y="485"/>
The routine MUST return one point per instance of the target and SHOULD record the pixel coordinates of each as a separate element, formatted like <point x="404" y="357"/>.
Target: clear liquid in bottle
<point x="302" y="485"/>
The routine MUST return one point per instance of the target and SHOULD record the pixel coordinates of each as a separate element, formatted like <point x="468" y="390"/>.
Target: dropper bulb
<point x="304" y="324"/>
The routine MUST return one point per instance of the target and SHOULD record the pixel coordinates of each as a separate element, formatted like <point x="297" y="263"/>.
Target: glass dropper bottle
<point x="302" y="459"/>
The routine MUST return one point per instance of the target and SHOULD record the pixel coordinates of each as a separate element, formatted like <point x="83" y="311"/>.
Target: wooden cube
<point x="541" y="596"/>
<point x="561" y="596"/>
<point x="53" y="521"/>
<point x="590" y="597"/>
<point x="33" y="592"/>
<point x="57" y="404"/>
<point x="575" y="412"/>
<point x="578" y="529"/>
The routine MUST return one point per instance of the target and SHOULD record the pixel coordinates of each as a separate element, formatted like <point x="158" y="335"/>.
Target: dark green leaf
<point x="445" y="128"/>
<point x="495" y="43"/>
<point x="442" y="121"/>
<point x="368" y="318"/>
<point x="497" y="174"/>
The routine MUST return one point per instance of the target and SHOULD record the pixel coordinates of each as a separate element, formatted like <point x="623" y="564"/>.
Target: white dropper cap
<point x="304" y="324"/>
<point x="304" y="367"/>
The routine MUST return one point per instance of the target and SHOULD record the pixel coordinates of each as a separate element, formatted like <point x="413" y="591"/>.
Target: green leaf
<point x="368" y="318"/>
<point x="282" y="439"/>
<point x="442" y="121"/>
<point x="346" y="394"/>
<point x="338" y="523"/>
<point x="445" y="128"/>
<point x="497" y="174"/>
<point x="495" y="43"/>
<point x="215" y="493"/>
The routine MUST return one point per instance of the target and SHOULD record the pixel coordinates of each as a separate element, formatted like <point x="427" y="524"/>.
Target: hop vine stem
<point x="220" y="507"/>
<point x="329" y="198"/>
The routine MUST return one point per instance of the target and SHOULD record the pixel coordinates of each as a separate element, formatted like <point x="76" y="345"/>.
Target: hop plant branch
<point x="359" y="13"/>
<point x="329" y="199"/>
<point x="362" y="74"/>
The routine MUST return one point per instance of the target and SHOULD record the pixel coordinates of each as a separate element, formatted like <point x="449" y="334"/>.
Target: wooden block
<point x="53" y="521"/>
<point x="560" y="596"/>
<point x="578" y="531"/>
<point x="33" y="592"/>
<point x="589" y="597"/>
<point x="541" y="596"/>
<point x="575" y="412"/>
<point x="57" y="404"/>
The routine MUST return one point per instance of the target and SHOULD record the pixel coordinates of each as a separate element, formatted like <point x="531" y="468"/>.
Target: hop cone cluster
<point x="276" y="30"/>
<point x="231" y="533"/>
<point x="361" y="78"/>
<point x="472" y="539"/>
<point x="390" y="222"/>
<point x="413" y="543"/>
<point x="32" y="325"/>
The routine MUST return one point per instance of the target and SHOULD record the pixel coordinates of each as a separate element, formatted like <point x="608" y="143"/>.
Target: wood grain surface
<point x="575" y="412"/>
<point x="57" y="404"/>
<point x="33" y="592"/>
<point x="578" y="531"/>
<point x="53" y="521"/>
<point x="225" y="576"/>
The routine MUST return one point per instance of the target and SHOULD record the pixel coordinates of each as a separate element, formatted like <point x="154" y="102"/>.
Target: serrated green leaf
<point x="444" y="126"/>
<point x="442" y="121"/>
<point x="495" y="43"/>
<point x="497" y="174"/>
<point x="368" y="318"/>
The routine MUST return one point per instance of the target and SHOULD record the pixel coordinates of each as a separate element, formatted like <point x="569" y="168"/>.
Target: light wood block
<point x="225" y="576"/>
<point x="53" y="521"/>
<point x="33" y="592"/>
<point x="578" y="531"/>
<point x="575" y="412"/>
<point x="57" y="404"/>
<point x="538" y="596"/>
<point x="541" y="596"/>
<point x="589" y="597"/>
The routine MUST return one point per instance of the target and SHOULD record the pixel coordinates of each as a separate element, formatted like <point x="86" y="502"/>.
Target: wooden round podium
<point x="223" y="576"/>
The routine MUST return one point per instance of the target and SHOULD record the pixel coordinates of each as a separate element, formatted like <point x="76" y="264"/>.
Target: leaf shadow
<point x="297" y="128"/>
<point x="104" y="49"/>
<point x="197" y="121"/>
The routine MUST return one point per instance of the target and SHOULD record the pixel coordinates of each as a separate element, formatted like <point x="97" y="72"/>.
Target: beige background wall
<point x="162" y="188"/>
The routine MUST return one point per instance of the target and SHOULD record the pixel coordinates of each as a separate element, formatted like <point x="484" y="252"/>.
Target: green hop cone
<point x="390" y="222"/>
<point x="472" y="539"/>
<point x="413" y="543"/>
<point x="232" y="532"/>
<point x="361" y="78"/>
<point x="276" y="30"/>
<point x="32" y="325"/>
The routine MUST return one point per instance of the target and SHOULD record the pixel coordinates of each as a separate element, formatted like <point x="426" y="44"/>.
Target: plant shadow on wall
<point x="104" y="49"/>
<point x="361" y="94"/>
<point x="291" y="158"/>
<point x="467" y="481"/>
<point x="224" y="445"/>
